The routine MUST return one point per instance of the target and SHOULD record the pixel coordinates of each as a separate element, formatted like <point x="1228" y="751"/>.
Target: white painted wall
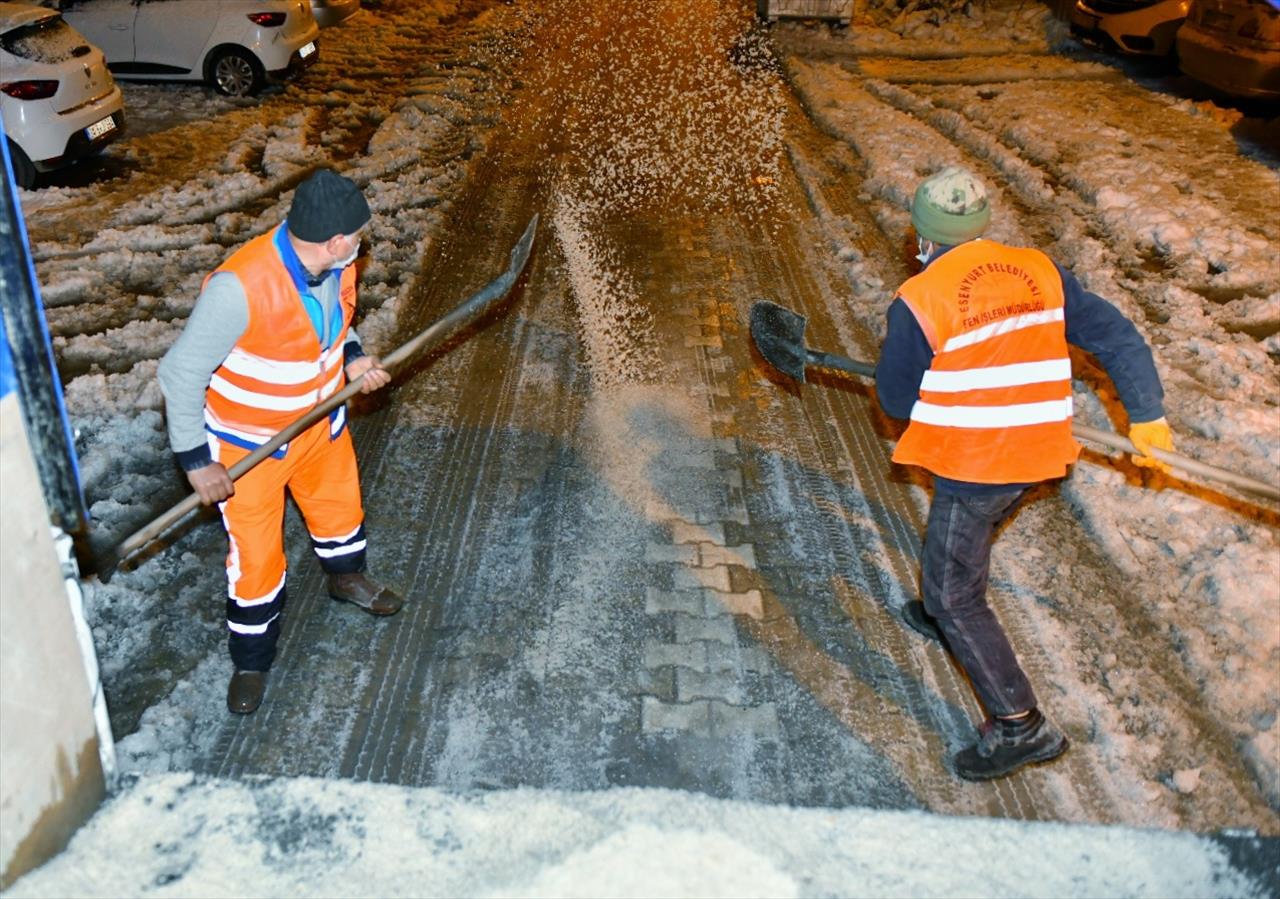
<point x="51" y="777"/>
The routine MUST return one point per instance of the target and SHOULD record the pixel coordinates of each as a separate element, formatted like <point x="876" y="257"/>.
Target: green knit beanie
<point x="950" y="207"/>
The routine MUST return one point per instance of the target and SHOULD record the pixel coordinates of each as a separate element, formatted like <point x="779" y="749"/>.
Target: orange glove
<point x="1146" y="435"/>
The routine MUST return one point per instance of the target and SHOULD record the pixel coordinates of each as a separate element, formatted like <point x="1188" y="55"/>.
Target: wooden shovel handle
<point x="820" y="359"/>
<point x="1186" y="464"/>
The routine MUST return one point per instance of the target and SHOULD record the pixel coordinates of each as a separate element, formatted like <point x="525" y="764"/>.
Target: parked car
<point x="333" y="12"/>
<point x="1143" y="27"/>
<point x="839" y="11"/>
<point x="1234" y="46"/>
<point x="58" y="101"/>
<point x="236" y="46"/>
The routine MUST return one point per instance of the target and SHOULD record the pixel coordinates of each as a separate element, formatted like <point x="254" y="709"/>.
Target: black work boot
<point x="922" y="622"/>
<point x="244" y="693"/>
<point x="1005" y="745"/>
<point x="366" y="593"/>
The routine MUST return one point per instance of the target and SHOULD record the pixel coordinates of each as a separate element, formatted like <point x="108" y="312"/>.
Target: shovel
<point x="435" y="333"/>
<point x="778" y="334"/>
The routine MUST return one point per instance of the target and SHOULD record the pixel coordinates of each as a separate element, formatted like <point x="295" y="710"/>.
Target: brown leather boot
<point x="366" y="593"/>
<point x="244" y="694"/>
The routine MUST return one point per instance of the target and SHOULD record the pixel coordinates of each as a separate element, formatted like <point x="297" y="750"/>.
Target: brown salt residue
<point x="665" y="105"/>
<point x="615" y="328"/>
<point x="637" y="435"/>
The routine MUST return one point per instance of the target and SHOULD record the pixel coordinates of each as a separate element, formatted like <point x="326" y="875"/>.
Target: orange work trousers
<point x="322" y="477"/>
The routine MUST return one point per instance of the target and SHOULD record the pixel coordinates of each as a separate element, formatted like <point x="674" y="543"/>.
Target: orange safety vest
<point x="277" y="370"/>
<point x="995" y="404"/>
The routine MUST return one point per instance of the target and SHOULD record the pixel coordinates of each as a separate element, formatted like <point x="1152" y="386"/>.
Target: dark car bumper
<point x="80" y="145"/>
<point x="297" y="64"/>
<point x="1123" y="33"/>
<point x="1095" y="37"/>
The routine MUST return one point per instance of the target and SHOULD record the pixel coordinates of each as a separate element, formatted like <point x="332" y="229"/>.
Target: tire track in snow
<point x="209" y="195"/>
<point x="1050" y="191"/>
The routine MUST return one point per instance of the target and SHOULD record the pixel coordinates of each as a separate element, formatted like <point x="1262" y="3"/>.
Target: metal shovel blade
<point x="778" y="334"/>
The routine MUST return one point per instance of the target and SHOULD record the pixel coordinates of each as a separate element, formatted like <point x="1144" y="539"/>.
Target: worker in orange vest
<point x="269" y="338"/>
<point x="975" y="356"/>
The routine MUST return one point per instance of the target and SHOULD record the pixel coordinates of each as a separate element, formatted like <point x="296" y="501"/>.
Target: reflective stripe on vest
<point x="995" y="406"/>
<point x="997" y="376"/>
<point x="261" y="399"/>
<point x="992" y="416"/>
<point x="277" y="370"/>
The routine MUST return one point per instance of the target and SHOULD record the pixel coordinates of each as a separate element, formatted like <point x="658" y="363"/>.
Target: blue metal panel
<point x="7" y="382"/>
<point x="28" y="366"/>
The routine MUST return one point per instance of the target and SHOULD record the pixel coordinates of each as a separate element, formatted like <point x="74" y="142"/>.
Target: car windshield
<point x="47" y="41"/>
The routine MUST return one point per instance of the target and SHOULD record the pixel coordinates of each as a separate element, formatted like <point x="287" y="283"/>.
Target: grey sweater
<point x="220" y="317"/>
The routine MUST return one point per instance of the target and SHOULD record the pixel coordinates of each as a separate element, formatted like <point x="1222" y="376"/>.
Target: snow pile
<point x="939" y="27"/>
<point x="936" y="29"/>
<point x="304" y="837"/>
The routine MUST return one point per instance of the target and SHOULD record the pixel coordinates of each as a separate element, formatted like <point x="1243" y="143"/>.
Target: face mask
<point x="343" y="263"/>
<point x="925" y="247"/>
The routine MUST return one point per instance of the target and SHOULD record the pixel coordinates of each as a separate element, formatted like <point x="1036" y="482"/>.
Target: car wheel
<point x="236" y="73"/>
<point x="24" y="173"/>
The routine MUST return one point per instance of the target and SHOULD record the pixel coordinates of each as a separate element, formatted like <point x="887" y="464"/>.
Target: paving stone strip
<point x="706" y="656"/>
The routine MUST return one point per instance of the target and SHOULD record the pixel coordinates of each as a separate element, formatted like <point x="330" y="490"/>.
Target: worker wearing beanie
<point x="975" y="356"/>
<point x="269" y="338"/>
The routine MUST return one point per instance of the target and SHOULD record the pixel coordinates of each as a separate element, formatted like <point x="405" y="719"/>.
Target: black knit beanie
<point x="326" y="204"/>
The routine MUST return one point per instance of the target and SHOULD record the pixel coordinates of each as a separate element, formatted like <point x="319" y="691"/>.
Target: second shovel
<point x="778" y="334"/>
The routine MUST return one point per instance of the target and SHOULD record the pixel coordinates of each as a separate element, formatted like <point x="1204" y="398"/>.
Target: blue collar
<point x="305" y="283"/>
<point x="302" y="279"/>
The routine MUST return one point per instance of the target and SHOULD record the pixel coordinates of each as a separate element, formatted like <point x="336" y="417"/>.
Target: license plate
<point x="307" y="49"/>
<point x="97" y="129"/>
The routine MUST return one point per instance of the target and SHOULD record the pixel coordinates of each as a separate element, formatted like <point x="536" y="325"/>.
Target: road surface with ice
<point x="632" y="557"/>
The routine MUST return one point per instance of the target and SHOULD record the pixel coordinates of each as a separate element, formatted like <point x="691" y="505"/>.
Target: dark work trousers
<point x="957" y="560"/>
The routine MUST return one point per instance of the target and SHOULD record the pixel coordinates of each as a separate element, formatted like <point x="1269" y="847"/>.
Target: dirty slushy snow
<point x="173" y="835"/>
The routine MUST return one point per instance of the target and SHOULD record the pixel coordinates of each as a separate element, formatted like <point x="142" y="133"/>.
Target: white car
<point x="333" y="12"/>
<point x="1234" y="46"/>
<point x="1140" y="27"/>
<point x="58" y="102"/>
<point x="234" y="45"/>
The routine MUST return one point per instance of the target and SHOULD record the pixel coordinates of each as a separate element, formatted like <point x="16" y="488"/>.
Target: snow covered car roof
<point x="14" y="14"/>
